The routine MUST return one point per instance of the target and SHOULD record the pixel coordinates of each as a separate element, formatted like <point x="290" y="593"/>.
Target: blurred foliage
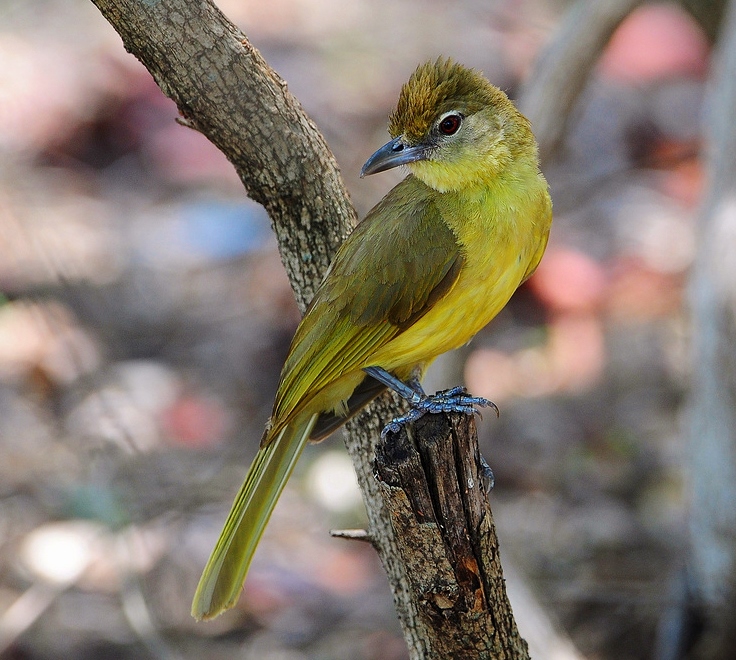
<point x="146" y="315"/>
<point x="709" y="13"/>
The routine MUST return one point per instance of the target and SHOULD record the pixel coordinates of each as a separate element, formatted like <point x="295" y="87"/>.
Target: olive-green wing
<point x="394" y="266"/>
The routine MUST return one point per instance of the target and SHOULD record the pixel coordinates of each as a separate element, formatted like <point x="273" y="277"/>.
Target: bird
<point x="427" y="268"/>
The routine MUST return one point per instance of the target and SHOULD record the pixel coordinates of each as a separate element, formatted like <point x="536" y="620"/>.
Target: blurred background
<point x="145" y="315"/>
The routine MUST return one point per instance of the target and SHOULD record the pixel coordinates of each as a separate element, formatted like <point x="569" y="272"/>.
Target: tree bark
<point x="430" y="480"/>
<point x="225" y="90"/>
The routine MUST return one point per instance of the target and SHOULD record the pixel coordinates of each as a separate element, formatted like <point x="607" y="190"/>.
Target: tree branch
<point x="712" y="517"/>
<point x="227" y="91"/>
<point x="564" y="68"/>
<point x="430" y="479"/>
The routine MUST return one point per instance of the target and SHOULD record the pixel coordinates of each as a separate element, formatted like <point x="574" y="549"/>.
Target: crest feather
<point x="435" y="88"/>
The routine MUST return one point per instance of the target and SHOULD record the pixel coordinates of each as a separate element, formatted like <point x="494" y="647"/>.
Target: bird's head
<point x="453" y="129"/>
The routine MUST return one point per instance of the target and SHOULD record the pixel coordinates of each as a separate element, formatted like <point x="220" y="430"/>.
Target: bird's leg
<point x="414" y="383"/>
<point x="412" y="394"/>
<point x="455" y="399"/>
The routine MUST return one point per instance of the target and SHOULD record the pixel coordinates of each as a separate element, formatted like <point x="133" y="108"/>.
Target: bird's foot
<point x="453" y="400"/>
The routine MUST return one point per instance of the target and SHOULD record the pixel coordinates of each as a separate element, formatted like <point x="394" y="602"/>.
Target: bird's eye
<point x="450" y="124"/>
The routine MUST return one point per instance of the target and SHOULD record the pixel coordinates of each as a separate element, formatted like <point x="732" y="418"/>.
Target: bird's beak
<point x="393" y="154"/>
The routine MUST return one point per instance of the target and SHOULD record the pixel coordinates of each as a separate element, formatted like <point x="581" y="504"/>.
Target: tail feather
<point x="223" y="576"/>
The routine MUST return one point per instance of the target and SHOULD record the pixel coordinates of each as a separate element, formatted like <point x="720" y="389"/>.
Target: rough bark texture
<point x="225" y="90"/>
<point x="430" y="479"/>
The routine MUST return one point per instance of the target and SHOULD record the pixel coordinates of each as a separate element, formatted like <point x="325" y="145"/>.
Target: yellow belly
<point x="474" y="300"/>
<point x="502" y="246"/>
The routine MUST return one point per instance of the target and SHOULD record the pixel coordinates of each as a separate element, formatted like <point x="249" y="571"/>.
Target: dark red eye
<point x="450" y="124"/>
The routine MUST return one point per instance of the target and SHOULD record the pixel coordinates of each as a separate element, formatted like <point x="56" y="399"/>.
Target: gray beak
<point x="392" y="155"/>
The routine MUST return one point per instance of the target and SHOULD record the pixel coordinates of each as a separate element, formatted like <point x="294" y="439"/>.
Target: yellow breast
<point x="503" y="239"/>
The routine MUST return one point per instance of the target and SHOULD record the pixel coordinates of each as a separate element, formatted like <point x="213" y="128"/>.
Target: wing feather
<point x="389" y="272"/>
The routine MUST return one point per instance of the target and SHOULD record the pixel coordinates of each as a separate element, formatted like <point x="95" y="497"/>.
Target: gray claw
<point x="453" y="400"/>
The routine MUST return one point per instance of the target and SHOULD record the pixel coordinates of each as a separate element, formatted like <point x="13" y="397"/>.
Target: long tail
<point x="223" y="576"/>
